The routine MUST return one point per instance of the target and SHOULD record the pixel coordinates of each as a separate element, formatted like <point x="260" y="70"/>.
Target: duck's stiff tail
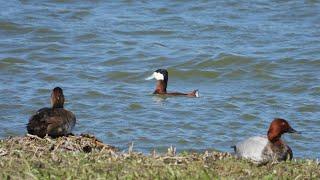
<point x="195" y="93"/>
<point x="234" y="148"/>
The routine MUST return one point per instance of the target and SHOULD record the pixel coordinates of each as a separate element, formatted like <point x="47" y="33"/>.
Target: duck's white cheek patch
<point x="158" y="76"/>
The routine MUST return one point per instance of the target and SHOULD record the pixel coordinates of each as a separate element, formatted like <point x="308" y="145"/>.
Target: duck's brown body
<point x="191" y="94"/>
<point x="54" y="121"/>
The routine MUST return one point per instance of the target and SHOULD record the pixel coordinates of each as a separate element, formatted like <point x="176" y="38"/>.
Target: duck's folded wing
<point x="61" y="123"/>
<point x="37" y="124"/>
<point x="56" y="126"/>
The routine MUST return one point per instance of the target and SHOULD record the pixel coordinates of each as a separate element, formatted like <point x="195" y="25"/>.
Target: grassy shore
<point x="84" y="157"/>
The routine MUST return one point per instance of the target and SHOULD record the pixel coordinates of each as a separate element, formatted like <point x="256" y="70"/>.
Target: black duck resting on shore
<point x="54" y="121"/>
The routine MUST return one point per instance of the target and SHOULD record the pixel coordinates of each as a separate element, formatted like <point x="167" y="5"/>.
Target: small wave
<point x="225" y="60"/>
<point x="86" y="37"/>
<point x="309" y="108"/>
<point x="50" y="78"/>
<point x="295" y="89"/>
<point x="300" y="62"/>
<point x="135" y="106"/>
<point x="13" y="27"/>
<point x="45" y="30"/>
<point x="192" y="73"/>
<point x="80" y="14"/>
<point x="249" y="117"/>
<point x="94" y="94"/>
<point x="114" y="61"/>
<point x="315" y="91"/>
<point x="124" y="76"/>
<point x="235" y="74"/>
<point x="11" y="61"/>
<point x="146" y="32"/>
<point x="54" y="47"/>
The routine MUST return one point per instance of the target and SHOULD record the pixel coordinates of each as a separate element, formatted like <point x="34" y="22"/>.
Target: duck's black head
<point x="161" y="75"/>
<point x="57" y="98"/>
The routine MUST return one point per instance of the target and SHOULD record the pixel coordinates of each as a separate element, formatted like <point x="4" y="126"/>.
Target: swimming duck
<point x="54" y="121"/>
<point x="161" y="75"/>
<point x="261" y="149"/>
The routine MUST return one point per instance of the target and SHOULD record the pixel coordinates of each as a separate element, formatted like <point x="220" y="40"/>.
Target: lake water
<point x="251" y="61"/>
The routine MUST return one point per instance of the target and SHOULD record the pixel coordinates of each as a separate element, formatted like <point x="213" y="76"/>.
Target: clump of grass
<point x="85" y="157"/>
<point x="83" y="143"/>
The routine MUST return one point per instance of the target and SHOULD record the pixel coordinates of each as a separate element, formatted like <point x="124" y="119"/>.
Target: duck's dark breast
<point x="278" y="151"/>
<point x="54" y="122"/>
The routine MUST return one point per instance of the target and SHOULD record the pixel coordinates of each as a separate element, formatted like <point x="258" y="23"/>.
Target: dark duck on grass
<point x="270" y="148"/>
<point x="161" y="75"/>
<point x="54" y="121"/>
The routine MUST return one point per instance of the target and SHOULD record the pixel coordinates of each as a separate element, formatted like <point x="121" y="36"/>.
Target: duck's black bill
<point x="291" y="130"/>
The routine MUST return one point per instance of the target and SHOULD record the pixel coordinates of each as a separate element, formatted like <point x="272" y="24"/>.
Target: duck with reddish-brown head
<point x="54" y="121"/>
<point x="270" y="148"/>
<point x="161" y="75"/>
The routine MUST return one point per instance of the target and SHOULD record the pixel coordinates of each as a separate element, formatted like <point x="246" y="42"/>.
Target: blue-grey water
<point x="251" y="60"/>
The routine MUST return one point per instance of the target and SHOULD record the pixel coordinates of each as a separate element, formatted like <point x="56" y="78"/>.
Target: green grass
<point x="66" y="158"/>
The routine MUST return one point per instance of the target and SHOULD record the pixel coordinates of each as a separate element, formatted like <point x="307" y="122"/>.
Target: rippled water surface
<point x="251" y="61"/>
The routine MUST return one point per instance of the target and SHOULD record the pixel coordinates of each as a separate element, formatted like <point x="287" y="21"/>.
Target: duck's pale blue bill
<point x="150" y="77"/>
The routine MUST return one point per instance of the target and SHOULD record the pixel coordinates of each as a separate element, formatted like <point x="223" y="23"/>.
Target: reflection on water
<point x="159" y="99"/>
